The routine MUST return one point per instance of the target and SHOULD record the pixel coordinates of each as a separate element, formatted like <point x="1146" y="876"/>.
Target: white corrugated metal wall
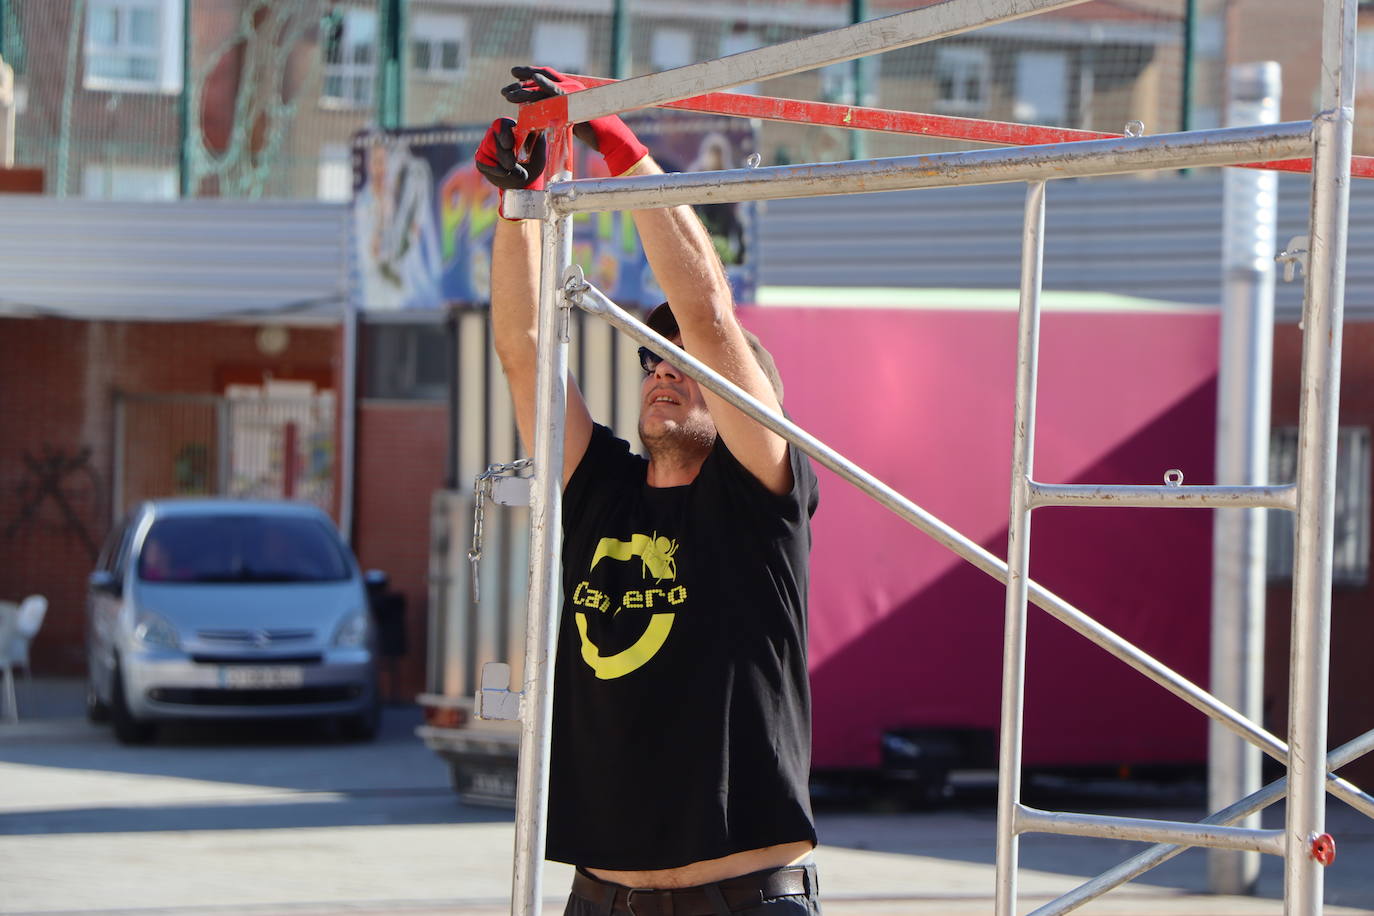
<point x="1153" y="239"/>
<point x="176" y="260"/>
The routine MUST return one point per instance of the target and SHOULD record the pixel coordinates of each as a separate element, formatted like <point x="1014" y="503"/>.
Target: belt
<point x="731" y="895"/>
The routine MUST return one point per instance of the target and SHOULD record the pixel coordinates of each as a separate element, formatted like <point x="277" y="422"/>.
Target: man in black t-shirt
<point x="681" y="732"/>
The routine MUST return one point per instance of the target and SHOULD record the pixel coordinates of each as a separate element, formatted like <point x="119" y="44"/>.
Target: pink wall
<point x="904" y="632"/>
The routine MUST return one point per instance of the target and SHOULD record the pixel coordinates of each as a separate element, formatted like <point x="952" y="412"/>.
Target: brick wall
<point x="402" y="447"/>
<point x="58" y="380"/>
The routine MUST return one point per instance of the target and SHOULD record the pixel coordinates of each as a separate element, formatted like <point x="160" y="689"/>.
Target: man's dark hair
<point x="662" y="320"/>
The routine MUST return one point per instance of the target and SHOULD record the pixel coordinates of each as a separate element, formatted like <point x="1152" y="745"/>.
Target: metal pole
<point x="620" y="40"/>
<point x="64" y="132"/>
<point x="1033" y="820"/>
<point x="858" y="141"/>
<point x="1190" y="30"/>
<point x="545" y="587"/>
<point x="1018" y="549"/>
<point x="348" y="420"/>
<point x="391" y="65"/>
<point x="1318" y="415"/>
<point x="184" y="106"/>
<point x="7" y="116"/>
<point x="900" y="30"/>
<point x="1250" y="205"/>
<point x="1223" y="146"/>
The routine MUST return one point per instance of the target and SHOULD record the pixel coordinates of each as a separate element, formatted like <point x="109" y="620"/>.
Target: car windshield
<point x="241" y="548"/>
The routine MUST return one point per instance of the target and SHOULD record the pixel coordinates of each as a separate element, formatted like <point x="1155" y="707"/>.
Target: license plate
<point x="251" y="676"/>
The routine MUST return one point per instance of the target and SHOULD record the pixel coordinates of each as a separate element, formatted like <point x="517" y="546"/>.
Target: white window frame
<point x="738" y="43"/>
<point x="963" y="62"/>
<point x="1364" y="58"/>
<point x="1350" y="547"/>
<point x="1028" y="71"/>
<point x="351" y="73"/>
<point x="105" y="181"/>
<point x="165" y="51"/>
<point x="670" y="48"/>
<point x="435" y="30"/>
<point x="334" y="173"/>
<point x="565" y="46"/>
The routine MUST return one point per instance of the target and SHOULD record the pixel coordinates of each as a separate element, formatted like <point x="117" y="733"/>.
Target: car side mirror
<point x="102" y="580"/>
<point x="376" y="580"/>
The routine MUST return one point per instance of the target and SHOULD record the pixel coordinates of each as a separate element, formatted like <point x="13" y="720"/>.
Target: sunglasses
<point x="648" y="360"/>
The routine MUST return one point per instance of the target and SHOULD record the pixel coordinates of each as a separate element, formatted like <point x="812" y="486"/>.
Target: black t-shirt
<point x="682" y="710"/>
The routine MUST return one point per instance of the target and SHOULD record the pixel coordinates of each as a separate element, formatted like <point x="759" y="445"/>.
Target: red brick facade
<point x="58" y="383"/>
<point x="402" y="447"/>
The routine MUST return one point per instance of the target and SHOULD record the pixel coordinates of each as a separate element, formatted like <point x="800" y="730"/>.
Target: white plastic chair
<point x="28" y="621"/>
<point x="9" y="629"/>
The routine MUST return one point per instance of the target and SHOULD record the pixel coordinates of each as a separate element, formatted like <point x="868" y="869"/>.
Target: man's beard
<point x="679" y="444"/>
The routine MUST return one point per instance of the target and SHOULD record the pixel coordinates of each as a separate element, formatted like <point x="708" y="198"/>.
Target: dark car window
<point x="241" y="548"/>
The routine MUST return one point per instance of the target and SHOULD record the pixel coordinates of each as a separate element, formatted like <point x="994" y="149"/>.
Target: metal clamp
<point x="493" y="482"/>
<point x="495" y="699"/>
<point x="1293" y="256"/>
<point x="1135" y="129"/>
<point x="574" y="285"/>
<point x="1173" y="478"/>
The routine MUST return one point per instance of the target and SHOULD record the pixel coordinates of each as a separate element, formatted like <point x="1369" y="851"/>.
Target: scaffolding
<point x="1039" y="155"/>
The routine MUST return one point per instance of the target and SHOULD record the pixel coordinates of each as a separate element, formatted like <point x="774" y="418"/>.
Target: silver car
<point x="217" y="609"/>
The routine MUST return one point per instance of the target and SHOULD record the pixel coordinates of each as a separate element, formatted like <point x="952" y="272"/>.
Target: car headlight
<point x="352" y="631"/>
<point x="155" y="632"/>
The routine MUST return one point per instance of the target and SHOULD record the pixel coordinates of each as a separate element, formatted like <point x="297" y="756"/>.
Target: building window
<point x="961" y="79"/>
<point x="334" y="174"/>
<point x="133" y="45"/>
<point x="1042" y="87"/>
<point x="349" y="59"/>
<point x="1364" y="58"/>
<point x="1350" y="552"/>
<point x="406" y="361"/>
<point x="561" y="45"/>
<point x="121" y="182"/>
<point x="670" y="48"/>
<point x="438" y="46"/>
<point x="738" y="43"/>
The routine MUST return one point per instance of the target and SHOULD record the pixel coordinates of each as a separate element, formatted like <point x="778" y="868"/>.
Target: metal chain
<point x="481" y="488"/>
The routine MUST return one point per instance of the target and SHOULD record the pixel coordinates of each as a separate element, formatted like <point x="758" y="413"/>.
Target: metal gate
<point x="259" y="444"/>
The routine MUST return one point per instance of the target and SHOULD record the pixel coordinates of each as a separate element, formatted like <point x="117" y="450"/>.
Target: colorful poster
<point x="423" y="217"/>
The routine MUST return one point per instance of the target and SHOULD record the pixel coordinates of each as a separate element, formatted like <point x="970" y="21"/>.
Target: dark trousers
<point x="790" y="891"/>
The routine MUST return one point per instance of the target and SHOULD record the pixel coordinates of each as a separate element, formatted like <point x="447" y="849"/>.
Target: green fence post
<point x="184" y="106"/>
<point x="620" y="40"/>
<point x="858" y="145"/>
<point x="391" y="65"/>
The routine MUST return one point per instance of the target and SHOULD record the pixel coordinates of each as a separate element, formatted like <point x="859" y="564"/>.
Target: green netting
<point x="277" y="88"/>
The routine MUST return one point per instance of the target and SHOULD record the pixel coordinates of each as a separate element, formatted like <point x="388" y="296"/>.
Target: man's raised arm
<point x="515" y="258"/>
<point x="685" y="263"/>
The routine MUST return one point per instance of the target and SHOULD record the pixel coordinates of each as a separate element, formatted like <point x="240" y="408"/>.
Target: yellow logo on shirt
<point x="656" y="560"/>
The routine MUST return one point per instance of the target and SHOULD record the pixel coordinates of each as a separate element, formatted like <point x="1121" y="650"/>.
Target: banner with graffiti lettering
<point x="423" y="217"/>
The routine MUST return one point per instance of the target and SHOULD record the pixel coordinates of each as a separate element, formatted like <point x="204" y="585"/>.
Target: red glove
<point x="608" y="135"/>
<point x="500" y="162"/>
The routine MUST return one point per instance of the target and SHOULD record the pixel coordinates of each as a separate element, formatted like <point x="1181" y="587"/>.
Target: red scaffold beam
<point x="554" y="111"/>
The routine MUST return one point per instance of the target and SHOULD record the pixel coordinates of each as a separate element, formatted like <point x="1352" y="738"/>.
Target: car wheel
<point x="96" y="709"/>
<point x="127" y="729"/>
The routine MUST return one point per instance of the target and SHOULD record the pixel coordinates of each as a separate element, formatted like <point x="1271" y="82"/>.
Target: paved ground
<point x="285" y="820"/>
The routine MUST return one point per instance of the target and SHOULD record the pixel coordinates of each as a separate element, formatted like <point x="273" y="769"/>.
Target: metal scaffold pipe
<point x="1225" y="146"/>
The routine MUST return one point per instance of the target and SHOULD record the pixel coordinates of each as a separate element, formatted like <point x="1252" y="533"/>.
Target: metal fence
<point x="246" y="446"/>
